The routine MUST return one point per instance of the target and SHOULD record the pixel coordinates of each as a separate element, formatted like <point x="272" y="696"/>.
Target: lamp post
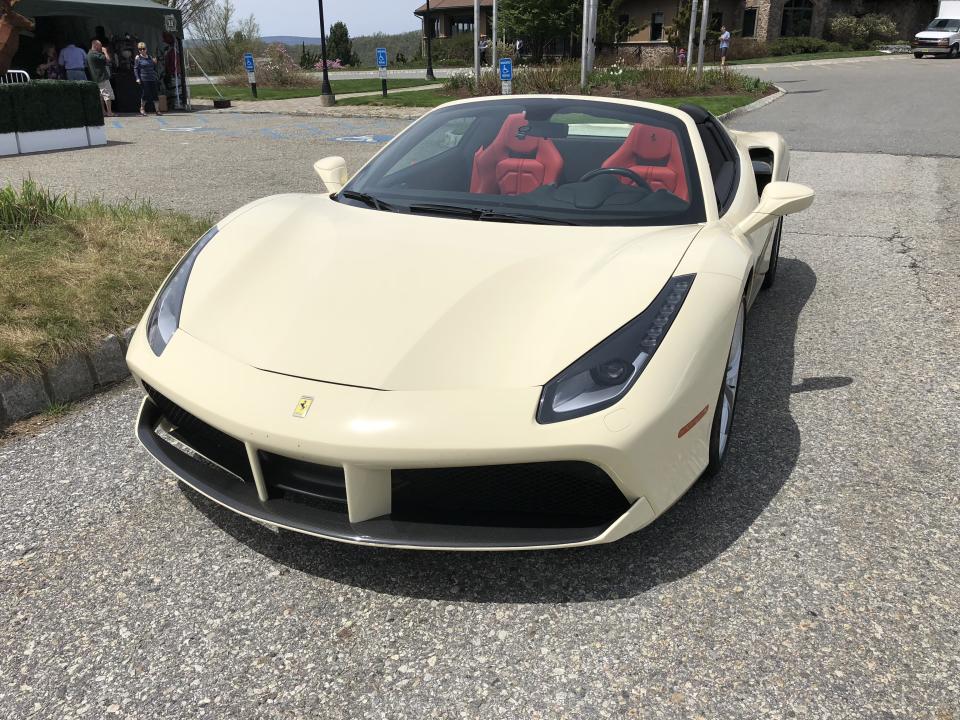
<point x="326" y="92"/>
<point x="428" y="24"/>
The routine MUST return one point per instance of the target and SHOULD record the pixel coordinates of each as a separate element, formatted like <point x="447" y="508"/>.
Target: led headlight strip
<point x="604" y="375"/>
<point x="165" y="315"/>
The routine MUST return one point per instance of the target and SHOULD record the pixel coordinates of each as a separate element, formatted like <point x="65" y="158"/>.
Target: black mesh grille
<point x="216" y="446"/>
<point x="549" y="494"/>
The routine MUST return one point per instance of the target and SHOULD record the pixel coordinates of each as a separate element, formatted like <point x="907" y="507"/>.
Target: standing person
<point x="50" y="68"/>
<point x="145" y="71"/>
<point x="98" y="63"/>
<point x="75" y="61"/>
<point x="484" y="46"/>
<point x="724" y="46"/>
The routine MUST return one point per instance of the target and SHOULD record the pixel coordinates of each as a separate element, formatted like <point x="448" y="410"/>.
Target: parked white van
<point x="942" y="36"/>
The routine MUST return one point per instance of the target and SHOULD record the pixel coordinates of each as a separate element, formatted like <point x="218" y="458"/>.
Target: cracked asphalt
<point x="816" y="577"/>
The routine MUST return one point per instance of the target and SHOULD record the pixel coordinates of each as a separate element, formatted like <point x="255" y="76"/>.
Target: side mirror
<point x="778" y="199"/>
<point x="333" y="171"/>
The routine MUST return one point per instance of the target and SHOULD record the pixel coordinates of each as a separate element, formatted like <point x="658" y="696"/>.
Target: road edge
<point x="755" y="105"/>
<point x="73" y="378"/>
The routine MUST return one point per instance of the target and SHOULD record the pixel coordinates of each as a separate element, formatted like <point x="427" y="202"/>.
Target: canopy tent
<point x="120" y="25"/>
<point x="121" y="12"/>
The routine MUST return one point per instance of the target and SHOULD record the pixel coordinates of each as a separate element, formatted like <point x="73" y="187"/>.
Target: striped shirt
<point x="145" y="69"/>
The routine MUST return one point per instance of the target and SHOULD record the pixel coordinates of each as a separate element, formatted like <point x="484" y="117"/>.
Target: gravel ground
<point x="816" y="577"/>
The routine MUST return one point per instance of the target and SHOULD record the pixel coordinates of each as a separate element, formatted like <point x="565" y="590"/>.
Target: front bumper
<point x="931" y="49"/>
<point x="616" y="470"/>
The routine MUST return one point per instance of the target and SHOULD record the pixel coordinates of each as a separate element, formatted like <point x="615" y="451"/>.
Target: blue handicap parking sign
<point x="506" y="69"/>
<point x="248" y="61"/>
<point x="381" y="57"/>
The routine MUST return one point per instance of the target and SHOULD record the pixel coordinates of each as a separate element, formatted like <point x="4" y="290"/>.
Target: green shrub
<point x="31" y="206"/>
<point x="880" y="27"/>
<point x="801" y="45"/>
<point x="49" y="105"/>
<point x="458" y="48"/>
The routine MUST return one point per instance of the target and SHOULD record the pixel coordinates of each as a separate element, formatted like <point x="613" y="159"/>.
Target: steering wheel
<point x="622" y="172"/>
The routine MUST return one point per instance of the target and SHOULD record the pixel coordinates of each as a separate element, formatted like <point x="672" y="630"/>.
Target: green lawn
<point x="805" y="56"/>
<point x="263" y="93"/>
<point x="717" y="104"/>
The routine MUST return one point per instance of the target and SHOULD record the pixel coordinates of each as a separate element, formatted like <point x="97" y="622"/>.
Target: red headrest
<point x="650" y="143"/>
<point x="508" y="136"/>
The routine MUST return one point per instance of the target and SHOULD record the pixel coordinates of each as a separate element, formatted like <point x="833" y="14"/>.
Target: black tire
<point x="718" y="450"/>
<point x="918" y="56"/>
<point x="954" y="51"/>
<point x="771" y="275"/>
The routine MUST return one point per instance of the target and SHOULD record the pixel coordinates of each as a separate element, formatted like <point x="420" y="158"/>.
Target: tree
<point x="679" y="33"/>
<point x="222" y="39"/>
<point x="339" y="46"/>
<point x="539" y="21"/>
<point x="611" y="30"/>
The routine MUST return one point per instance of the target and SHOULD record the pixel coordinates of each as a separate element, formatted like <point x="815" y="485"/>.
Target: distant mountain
<point x="290" y="39"/>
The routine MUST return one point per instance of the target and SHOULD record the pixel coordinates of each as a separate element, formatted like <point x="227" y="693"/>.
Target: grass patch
<point x="57" y="410"/>
<point x="717" y="104"/>
<point x="206" y="91"/>
<point x="800" y="57"/>
<point x="76" y="272"/>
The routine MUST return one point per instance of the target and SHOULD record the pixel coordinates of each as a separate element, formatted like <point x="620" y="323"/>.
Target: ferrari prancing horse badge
<point x="303" y="406"/>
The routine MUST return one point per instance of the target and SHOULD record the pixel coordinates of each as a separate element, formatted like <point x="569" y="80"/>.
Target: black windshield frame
<point x="378" y="178"/>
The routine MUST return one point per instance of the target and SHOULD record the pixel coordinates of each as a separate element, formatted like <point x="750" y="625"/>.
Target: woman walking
<point x="145" y="71"/>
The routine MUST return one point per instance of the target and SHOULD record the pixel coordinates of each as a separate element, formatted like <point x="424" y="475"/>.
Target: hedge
<point x="49" y="105"/>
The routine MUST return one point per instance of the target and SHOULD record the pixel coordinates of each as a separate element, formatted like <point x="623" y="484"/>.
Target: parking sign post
<point x="251" y="76"/>
<point x="506" y="76"/>
<point x="382" y="65"/>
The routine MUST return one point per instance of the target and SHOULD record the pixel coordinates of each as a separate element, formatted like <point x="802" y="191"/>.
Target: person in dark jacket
<point x="145" y="71"/>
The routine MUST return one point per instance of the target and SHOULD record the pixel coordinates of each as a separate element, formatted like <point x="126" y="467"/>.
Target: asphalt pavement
<point x="816" y="577"/>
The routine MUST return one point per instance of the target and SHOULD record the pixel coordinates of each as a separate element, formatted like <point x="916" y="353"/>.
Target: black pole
<point x="325" y="90"/>
<point x="428" y="23"/>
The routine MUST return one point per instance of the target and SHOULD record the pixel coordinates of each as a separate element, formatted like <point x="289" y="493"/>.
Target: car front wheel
<point x="918" y="56"/>
<point x="727" y="400"/>
<point x="954" y="51"/>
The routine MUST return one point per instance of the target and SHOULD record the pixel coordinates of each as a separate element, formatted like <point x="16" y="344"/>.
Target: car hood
<point x="306" y="286"/>
<point x="934" y="34"/>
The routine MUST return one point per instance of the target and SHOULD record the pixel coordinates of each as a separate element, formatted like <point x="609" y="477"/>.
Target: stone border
<point x="71" y="379"/>
<point x="755" y="105"/>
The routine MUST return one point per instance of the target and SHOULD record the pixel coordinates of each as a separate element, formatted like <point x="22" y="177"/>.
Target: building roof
<point x="107" y="12"/>
<point x="450" y="5"/>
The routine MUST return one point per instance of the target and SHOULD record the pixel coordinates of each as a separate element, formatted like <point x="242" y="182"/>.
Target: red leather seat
<point x="513" y="166"/>
<point x="654" y="154"/>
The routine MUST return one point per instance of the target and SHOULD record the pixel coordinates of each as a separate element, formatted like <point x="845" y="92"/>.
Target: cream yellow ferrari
<point x="519" y="326"/>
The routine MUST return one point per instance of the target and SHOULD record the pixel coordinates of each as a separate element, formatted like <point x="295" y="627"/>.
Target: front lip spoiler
<point x="225" y="489"/>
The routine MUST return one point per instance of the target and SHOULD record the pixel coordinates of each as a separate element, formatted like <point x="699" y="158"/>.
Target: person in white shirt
<point x="74" y="60"/>
<point x="724" y="46"/>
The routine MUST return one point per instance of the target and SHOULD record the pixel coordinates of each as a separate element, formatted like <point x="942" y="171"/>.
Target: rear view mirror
<point x="778" y="199"/>
<point x="333" y="171"/>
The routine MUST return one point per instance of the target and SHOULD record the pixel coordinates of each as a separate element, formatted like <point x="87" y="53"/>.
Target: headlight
<point x="604" y="375"/>
<point x="944" y="42"/>
<point x="165" y="316"/>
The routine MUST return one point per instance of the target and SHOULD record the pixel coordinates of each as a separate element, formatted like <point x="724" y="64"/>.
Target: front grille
<point x="547" y="494"/>
<point x="304" y="482"/>
<point x="218" y="447"/>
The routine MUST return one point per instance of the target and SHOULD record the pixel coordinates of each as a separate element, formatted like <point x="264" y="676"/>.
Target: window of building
<point x="797" y="18"/>
<point x="656" y="26"/>
<point x="461" y="25"/>
<point x="749" y="23"/>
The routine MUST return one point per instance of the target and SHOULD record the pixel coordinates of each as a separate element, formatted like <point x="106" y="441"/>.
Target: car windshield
<point x="538" y="160"/>
<point x="945" y="25"/>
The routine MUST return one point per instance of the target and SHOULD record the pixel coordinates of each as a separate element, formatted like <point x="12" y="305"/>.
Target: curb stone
<point x="71" y="379"/>
<point x="755" y="105"/>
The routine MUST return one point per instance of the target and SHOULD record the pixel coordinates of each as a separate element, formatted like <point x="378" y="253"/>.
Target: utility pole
<point x="476" y="43"/>
<point x="584" y="29"/>
<point x="496" y="54"/>
<point x="592" y="40"/>
<point x="428" y="24"/>
<point x="693" y="27"/>
<point x="703" y="38"/>
<point x="326" y="92"/>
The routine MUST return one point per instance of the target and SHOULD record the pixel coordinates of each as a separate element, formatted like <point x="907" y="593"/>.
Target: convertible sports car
<point x="520" y="325"/>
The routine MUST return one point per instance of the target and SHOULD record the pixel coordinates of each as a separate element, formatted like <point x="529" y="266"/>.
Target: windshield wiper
<point x="368" y="199"/>
<point x="491" y="215"/>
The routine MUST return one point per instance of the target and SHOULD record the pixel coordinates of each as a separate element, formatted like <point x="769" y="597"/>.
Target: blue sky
<point x="301" y="17"/>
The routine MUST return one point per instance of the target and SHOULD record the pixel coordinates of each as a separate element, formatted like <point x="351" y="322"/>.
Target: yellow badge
<point x="303" y="406"/>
